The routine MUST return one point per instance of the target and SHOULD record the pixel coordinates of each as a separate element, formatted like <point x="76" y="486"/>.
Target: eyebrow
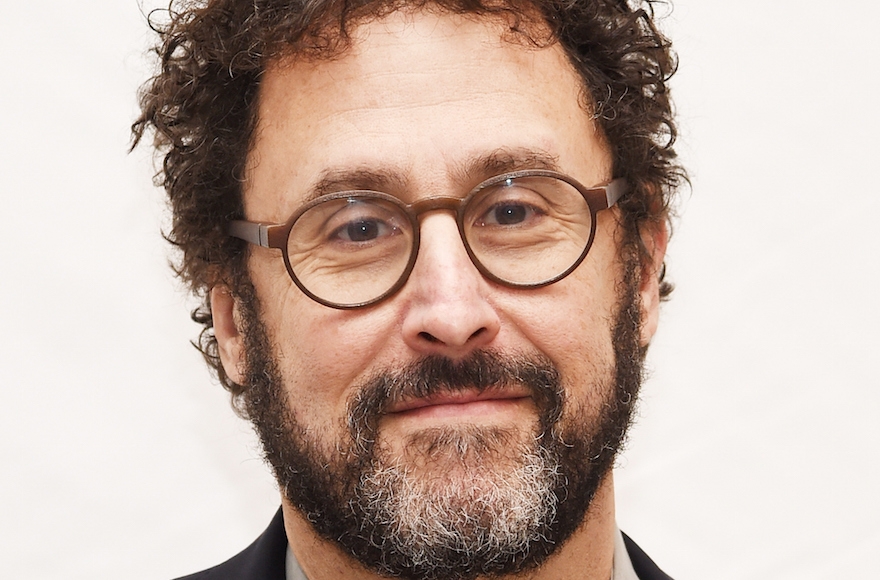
<point x="469" y="173"/>
<point x="357" y="178"/>
<point x="506" y="160"/>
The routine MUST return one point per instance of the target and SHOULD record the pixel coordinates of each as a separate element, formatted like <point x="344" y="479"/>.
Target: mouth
<point x="459" y="404"/>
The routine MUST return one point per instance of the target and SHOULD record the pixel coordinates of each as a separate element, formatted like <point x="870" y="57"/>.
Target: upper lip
<point x="459" y="397"/>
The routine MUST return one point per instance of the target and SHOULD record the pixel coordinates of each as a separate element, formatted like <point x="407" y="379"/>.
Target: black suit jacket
<point x="265" y="558"/>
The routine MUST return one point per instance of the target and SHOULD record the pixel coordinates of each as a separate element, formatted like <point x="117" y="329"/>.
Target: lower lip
<point x="484" y="408"/>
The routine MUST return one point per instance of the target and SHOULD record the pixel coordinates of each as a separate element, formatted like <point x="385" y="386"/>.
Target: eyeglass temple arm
<point x="261" y="234"/>
<point x="614" y="191"/>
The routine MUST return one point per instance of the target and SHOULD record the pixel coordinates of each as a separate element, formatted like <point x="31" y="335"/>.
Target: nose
<point x="447" y="312"/>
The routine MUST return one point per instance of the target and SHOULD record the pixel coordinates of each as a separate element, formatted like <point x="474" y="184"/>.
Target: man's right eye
<point x="362" y="230"/>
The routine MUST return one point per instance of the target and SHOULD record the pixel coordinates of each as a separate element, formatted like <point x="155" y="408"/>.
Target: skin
<point x="420" y="97"/>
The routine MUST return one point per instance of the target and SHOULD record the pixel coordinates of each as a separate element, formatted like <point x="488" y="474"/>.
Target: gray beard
<point x="479" y="498"/>
<point x="462" y="502"/>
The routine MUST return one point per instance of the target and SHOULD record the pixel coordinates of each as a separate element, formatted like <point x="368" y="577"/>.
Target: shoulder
<point x="264" y="559"/>
<point x="643" y="565"/>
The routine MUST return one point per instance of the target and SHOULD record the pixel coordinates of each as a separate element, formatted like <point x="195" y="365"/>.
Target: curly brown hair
<point x="201" y="106"/>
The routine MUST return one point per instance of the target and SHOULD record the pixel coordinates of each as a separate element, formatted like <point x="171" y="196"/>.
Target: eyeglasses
<point x="523" y="229"/>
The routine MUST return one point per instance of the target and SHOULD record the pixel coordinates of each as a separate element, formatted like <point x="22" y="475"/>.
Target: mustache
<point x="433" y="375"/>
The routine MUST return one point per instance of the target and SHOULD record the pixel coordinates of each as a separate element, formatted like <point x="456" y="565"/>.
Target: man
<point x="429" y="238"/>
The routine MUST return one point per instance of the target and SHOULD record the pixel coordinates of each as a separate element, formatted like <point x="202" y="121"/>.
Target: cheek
<point x="572" y="323"/>
<point x="321" y="353"/>
<point x="575" y="331"/>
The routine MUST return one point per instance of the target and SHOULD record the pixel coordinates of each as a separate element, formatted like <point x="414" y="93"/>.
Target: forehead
<point x="419" y="103"/>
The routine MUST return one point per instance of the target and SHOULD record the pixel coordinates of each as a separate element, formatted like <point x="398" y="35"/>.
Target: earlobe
<point x="230" y="342"/>
<point x="654" y="238"/>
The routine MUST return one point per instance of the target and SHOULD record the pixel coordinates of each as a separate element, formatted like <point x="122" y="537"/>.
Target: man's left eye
<point x="508" y="214"/>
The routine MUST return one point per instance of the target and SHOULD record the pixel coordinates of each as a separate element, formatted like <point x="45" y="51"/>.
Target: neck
<point x="587" y="555"/>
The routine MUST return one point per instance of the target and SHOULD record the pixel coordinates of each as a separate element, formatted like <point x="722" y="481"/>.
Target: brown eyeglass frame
<point x="272" y="235"/>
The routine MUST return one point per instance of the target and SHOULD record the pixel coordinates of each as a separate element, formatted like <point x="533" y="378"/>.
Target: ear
<point x="654" y="239"/>
<point x="230" y="342"/>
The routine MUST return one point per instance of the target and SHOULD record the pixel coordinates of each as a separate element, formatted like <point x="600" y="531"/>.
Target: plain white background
<point x="756" y="451"/>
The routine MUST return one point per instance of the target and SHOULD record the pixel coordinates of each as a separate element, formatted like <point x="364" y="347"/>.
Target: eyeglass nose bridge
<point x="440" y="203"/>
<point x="426" y="205"/>
<point x="455" y="205"/>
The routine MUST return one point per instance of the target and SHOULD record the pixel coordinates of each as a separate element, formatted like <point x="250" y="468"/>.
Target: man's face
<point x="455" y="387"/>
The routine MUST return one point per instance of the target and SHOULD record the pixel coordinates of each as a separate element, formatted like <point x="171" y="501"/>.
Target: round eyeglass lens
<point x="528" y="230"/>
<point x="350" y="250"/>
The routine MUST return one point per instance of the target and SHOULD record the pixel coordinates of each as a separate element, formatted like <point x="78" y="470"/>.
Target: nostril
<point x="427" y="336"/>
